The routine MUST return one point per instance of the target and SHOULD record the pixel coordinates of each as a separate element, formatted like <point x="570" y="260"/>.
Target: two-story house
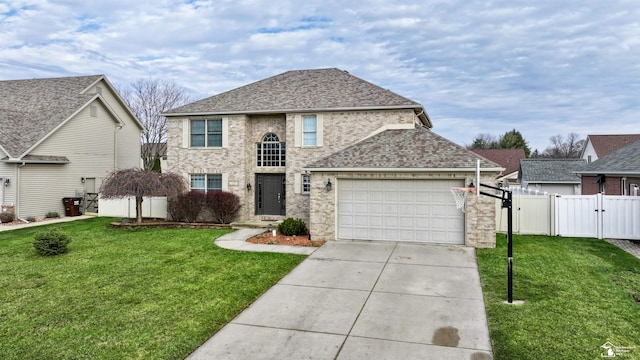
<point x="354" y="160"/>
<point x="59" y="137"/>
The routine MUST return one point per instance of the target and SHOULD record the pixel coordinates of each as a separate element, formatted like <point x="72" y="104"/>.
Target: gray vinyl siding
<point x="88" y="143"/>
<point x="129" y="136"/>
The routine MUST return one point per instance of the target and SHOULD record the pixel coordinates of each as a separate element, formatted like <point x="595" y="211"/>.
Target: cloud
<point x="541" y="67"/>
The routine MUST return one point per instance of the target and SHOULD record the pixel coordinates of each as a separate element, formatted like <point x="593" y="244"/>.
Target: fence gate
<point x="620" y="217"/>
<point x="91" y="202"/>
<point x="578" y="215"/>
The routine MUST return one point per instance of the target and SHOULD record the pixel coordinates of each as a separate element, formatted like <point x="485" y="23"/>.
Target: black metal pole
<point x="510" y="247"/>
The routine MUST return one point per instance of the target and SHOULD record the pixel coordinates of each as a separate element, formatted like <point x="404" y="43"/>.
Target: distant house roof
<point x="605" y="144"/>
<point x="624" y="161"/>
<point x="302" y="90"/>
<point x="550" y="170"/>
<point x="507" y="158"/>
<point x="417" y="148"/>
<point x="31" y="109"/>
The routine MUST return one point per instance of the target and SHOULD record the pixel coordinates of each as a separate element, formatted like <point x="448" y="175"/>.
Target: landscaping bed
<point x="280" y="239"/>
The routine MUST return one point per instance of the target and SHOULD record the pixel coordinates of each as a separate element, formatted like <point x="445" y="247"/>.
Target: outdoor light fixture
<point x="82" y="179"/>
<point x="328" y="185"/>
<point x="248" y="187"/>
<point x="7" y="182"/>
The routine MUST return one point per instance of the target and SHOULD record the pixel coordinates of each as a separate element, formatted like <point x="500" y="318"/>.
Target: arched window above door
<point x="270" y="151"/>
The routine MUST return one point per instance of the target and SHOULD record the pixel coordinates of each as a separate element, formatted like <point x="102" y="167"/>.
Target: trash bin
<point x="72" y="206"/>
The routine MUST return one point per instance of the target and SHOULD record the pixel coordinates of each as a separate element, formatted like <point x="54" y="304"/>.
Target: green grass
<point x="147" y="294"/>
<point x="578" y="293"/>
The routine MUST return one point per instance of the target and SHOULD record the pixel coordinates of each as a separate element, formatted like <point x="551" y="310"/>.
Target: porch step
<point x="256" y="224"/>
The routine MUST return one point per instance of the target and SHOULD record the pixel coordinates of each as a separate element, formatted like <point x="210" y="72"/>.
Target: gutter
<point x="280" y="111"/>
<point x="401" y="169"/>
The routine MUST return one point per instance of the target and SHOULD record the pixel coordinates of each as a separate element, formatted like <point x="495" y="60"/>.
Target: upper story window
<point x="206" y="182"/>
<point x="309" y="130"/>
<point x="271" y="152"/>
<point x="206" y="133"/>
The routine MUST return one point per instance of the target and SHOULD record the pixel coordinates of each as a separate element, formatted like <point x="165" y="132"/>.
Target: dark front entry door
<point x="270" y="194"/>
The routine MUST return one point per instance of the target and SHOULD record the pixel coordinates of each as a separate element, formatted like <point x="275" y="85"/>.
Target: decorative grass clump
<point x="51" y="242"/>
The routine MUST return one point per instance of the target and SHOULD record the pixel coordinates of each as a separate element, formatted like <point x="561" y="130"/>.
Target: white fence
<point x="152" y="207"/>
<point x="599" y="216"/>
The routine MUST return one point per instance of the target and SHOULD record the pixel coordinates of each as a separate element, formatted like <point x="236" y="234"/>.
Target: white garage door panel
<point x="399" y="210"/>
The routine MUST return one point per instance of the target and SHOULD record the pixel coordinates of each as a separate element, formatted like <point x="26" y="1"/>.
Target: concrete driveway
<point x="365" y="300"/>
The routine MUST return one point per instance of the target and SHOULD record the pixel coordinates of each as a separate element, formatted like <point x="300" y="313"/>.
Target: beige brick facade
<point x="238" y="161"/>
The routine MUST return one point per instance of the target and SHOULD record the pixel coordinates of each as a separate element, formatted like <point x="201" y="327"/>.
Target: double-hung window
<point x="309" y="130"/>
<point x="306" y="183"/>
<point x="206" y="133"/>
<point x="206" y="182"/>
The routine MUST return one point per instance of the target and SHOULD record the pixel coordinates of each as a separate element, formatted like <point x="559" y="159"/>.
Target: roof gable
<point x="299" y="91"/>
<point x="417" y="148"/>
<point x="605" y="144"/>
<point x="549" y="170"/>
<point x="507" y="158"/>
<point x="31" y="109"/>
<point x="625" y="160"/>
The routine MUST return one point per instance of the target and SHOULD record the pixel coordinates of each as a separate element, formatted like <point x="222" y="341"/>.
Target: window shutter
<point x="225" y="182"/>
<point x="185" y="133"/>
<point x="225" y="132"/>
<point x="298" y="131"/>
<point x="297" y="184"/>
<point x="319" y="130"/>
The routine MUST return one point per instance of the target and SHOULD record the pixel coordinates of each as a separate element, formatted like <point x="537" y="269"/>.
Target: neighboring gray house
<point x="616" y="173"/>
<point x="551" y="175"/>
<point x="59" y="137"/>
<point x="339" y="152"/>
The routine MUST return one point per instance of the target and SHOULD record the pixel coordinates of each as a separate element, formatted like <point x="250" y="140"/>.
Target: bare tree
<point x="138" y="182"/>
<point x="147" y="99"/>
<point x="561" y="147"/>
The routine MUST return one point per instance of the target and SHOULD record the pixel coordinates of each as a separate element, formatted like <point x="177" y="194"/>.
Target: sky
<point x="541" y="67"/>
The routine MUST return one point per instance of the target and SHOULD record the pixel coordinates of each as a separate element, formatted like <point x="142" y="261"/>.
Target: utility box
<point x="72" y="206"/>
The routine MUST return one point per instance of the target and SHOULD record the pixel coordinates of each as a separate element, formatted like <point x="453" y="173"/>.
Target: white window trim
<point x="224" y="179"/>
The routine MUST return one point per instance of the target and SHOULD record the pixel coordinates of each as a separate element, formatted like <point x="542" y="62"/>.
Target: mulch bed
<point x="298" y="240"/>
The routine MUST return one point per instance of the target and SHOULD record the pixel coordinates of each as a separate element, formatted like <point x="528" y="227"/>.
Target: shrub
<point x="291" y="226"/>
<point x="6" y="217"/>
<point x="51" y="214"/>
<point x="51" y="242"/>
<point x="224" y="206"/>
<point x="186" y="206"/>
<point x="31" y="219"/>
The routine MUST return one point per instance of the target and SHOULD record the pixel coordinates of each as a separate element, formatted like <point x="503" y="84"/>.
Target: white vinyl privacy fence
<point x="152" y="207"/>
<point x="599" y="216"/>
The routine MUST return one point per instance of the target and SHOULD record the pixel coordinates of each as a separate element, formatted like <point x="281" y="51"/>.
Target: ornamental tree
<point x="138" y="183"/>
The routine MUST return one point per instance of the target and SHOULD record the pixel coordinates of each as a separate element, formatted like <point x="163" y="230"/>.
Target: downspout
<point x="115" y="146"/>
<point x="17" y="207"/>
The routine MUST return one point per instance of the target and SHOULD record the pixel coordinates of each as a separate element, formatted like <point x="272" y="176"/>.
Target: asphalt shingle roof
<point x="417" y="148"/>
<point x="550" y="170"/>
<point x="625" y="160"/>
<point x="507" y="158"/>
<point x="605" y="144"/>
<point x="30" y="109"/>
<point x="300" y="90"/>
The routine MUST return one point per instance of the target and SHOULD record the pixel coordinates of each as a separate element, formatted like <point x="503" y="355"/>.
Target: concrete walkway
<point x="236" y="241"/>
<point x="626" y="245"/>
<point x="4" y="227"/>
<point x="363" y="300"/>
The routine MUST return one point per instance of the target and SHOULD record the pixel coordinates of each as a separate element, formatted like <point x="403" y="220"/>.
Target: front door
<point x="270" y="194"/>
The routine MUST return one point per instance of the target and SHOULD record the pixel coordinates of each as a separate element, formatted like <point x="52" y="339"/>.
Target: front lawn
<point x="578" y="295"/>
<point x="147" y="294"/>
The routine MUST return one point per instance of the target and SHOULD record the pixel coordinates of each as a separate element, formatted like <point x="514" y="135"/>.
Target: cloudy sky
<point x="542" y="67"/>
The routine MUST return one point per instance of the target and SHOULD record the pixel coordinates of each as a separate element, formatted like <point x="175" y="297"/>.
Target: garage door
<point x="399" y="210"/>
